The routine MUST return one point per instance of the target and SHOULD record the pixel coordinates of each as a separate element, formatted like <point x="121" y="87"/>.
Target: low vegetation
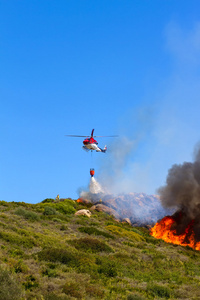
<point x="49" y="253"/>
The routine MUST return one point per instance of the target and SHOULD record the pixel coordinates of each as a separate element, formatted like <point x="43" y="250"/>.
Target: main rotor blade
<point x="72" y="135"/>
<point x="105" y="135"/>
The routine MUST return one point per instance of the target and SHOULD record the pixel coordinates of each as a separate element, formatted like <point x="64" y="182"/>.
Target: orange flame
<point x="165" y="230"/>
<point x="79" y="200"/>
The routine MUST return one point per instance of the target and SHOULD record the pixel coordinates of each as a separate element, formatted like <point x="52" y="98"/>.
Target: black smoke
<point x="182" y="191"/>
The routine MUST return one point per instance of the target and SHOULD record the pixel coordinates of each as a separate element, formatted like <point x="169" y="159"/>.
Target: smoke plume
<point x="182" y="189"/>
<point x="140" y="209"/>
<point x="124" y="169"/>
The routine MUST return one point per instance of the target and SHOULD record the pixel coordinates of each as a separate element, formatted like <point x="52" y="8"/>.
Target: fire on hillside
<point x="177" y="229"/>
<point x="182" y="191"/>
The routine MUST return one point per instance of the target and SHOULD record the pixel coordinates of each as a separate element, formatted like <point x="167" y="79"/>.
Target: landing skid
<point x="86" y="149"/>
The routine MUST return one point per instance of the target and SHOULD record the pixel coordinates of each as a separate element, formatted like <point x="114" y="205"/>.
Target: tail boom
<point x="102" y="150"/>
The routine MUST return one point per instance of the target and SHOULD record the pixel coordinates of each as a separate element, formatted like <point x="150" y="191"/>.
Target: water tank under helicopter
<point x="92" y="172"/>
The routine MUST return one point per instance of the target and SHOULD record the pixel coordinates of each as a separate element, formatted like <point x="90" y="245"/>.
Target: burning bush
<point x="182" y="191"/>
<point x="177" y="229"/>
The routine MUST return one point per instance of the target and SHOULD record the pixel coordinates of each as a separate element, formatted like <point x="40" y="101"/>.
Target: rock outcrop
<point x="139" y="209"/>
<point x="83" y="212"/>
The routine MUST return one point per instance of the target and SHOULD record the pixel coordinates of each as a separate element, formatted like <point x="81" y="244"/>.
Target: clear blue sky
<point x="122" y="67"/>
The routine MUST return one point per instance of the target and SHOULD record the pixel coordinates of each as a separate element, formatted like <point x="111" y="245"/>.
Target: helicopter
<point x="90" y="143"/>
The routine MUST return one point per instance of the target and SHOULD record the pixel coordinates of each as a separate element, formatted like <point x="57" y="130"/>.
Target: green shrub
<point x="106" y="267"/>
<point x="58" y="255"/>
<point x="94" y="291"/>
<point x="65" y="207"/>
<point x="152" y="240"/>
<point x="52" y="296"/>
<point x="16" y="252"/>
<point x="57" y="220"/>
<point x="48" y="200"/>
<point x="130" y="244"/>
<point x="62" y="218"/>
<point x="92" y="230"/>
<point x="86" y="264"/>
<point x="48" y="211"/>
<point x="91" y="245"/>
<point x="49" y="272"/>
<point x="144" y="230"/>
<point x="138" y="231"/>
<point x="28" y="215"/>
<point x="159" y="291"/>
<point x="125" y="233"/>
<point x="72" y="289"/>
<point x="30" y="283"/>
<point x="52" y="265"/>
<point x="134" y="297"/>
<point x="83" y="220"/>
<point x="94" y="224"/>
<point x="4" y="216"/>
<point x="9" y="288"/>
<point x="27" y="242"/>
<point x="20" y="267"/>
<point x="3" y="225"/>
<point x="63" y="227"/>
<point x="4" y="203"/>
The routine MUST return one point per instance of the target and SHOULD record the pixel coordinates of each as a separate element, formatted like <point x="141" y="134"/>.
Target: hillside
<point x="47" y="252"/>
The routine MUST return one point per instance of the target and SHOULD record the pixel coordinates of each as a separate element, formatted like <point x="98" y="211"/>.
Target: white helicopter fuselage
<point x="94" y="147"/>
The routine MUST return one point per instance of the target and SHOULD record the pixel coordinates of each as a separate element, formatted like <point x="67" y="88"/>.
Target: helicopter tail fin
<point x="104" y="149"/>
